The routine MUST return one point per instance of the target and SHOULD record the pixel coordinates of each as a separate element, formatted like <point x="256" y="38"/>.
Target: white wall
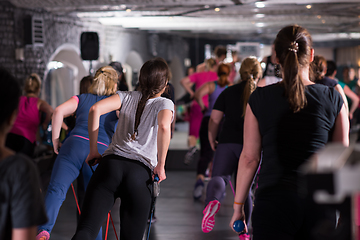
<point x="327" y="53"/>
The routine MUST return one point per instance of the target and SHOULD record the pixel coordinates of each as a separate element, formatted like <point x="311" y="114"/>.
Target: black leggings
<point x="206" y="152"/>
<point x="117" y="177"/>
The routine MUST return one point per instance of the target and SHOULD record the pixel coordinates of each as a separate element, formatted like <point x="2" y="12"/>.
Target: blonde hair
<point x="250" y="70"/>
<point x="104" y="81"/>
<point x="32" y="84"/>
<point x="209" y="64"/>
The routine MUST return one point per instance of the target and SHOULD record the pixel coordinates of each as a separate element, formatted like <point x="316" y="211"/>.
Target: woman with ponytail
<point x="22" y="136"/>
<point x="72" y="154"/>
<point x="286" y="123"/>
<point x="231" y="103"/>
<point x="212" y="90"/>
<point x="136" y="154"/>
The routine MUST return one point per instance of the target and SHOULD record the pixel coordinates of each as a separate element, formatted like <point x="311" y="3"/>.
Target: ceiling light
<point x="123" y="6"/>
<point x="260" y="15"/>
<point x="206" y="6"/>
<point x="308" y="6"/>
<point x="260" y="24"/>
<point x="323" y="21"/>
<point x="128" y="10"/>
<point x="260" y="5"/>
<point x="217" y="9"/>
<point x="318" y="16"/>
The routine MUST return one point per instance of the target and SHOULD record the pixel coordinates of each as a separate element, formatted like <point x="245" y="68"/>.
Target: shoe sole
<point x="43" y="235"/>
<point x="208" y="221"/>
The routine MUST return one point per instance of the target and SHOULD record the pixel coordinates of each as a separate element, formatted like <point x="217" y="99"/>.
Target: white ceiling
<point x="235" y="19"/>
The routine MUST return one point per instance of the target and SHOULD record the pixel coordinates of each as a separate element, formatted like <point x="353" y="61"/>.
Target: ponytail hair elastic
<point x="294" y="47"/>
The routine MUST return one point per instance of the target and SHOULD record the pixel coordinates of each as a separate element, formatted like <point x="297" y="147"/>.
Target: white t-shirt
<point x="144" y="147"/>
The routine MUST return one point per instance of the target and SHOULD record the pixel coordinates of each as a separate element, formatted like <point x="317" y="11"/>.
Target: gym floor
<point x="178" y="215"/>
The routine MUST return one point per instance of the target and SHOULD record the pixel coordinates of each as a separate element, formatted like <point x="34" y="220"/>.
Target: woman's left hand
<point x="238" y="214"/>
<point x="160" y="171"/>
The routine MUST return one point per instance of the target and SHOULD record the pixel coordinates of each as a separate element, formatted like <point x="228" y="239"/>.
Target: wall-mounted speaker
<point x="34" y="31"/>
<point x="89" y="46"/>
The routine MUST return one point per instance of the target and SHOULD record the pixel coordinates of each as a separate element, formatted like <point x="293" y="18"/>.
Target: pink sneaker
<point x="43" y="235"/>
<point x="209" y="212"/>
<point x="244" y="237"/>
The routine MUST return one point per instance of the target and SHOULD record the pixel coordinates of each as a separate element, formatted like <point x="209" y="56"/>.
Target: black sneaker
<point x="189" y="156"/>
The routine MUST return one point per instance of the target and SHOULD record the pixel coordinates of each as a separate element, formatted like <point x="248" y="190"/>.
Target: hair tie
<point x="294" y="46"/>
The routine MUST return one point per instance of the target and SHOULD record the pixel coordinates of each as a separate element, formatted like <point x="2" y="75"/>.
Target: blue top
<point x="107" y="122"/>
<point x="212" y="98"/>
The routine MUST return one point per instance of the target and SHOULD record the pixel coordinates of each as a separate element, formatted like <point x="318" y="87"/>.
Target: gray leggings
<point x="225" y="164"/>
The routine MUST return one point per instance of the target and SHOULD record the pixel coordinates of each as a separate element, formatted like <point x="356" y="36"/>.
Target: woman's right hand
<point x="56" y="145"/>
<point x="96" y="157"/>
<point x="160" y="171"/>
<point x="213" y="145"/>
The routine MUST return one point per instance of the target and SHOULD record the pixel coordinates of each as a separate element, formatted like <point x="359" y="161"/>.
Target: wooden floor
<point x="178" y="215"/>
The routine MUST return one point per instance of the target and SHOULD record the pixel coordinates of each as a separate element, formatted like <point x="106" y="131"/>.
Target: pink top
<point x="28" y="118"/>
<point x="203" y="77"/>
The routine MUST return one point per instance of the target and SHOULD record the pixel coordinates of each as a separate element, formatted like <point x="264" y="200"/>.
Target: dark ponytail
<point x="153" y="78"/>
<point x="293" y="49"/>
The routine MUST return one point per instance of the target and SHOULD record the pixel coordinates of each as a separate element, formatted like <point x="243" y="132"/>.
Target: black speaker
<point x="89" y="46"/>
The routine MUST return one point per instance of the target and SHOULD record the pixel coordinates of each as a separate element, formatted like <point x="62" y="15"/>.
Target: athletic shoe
<point x="244" y="237"/>
<point x="189" y="156"/>
<point x="209" y="212"/>
<point x="42" y="235"/>
<point x="198" y="189"/>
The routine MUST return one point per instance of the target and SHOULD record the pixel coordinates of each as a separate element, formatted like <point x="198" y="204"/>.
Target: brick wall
<point x="115" y="42"/>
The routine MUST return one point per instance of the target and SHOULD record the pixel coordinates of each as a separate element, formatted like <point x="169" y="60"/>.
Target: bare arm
<point x="47" y="109"/>
<point x="261" y="83"/>
<point x="205" y="89"/>
<point x="201" y="67"/>
<point x="341" y="130"/>
<point x="354" y="98"/>
<point x="102" y="107"/>
<point x="60" y="112"/>
<point x="248" y="163"/>
<point x="342" y="93"/>
<point x="163" y="141"/>
<point x="24" y="233"/>
<point x="213" y="129"/>
<point x="187" y="84"/>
